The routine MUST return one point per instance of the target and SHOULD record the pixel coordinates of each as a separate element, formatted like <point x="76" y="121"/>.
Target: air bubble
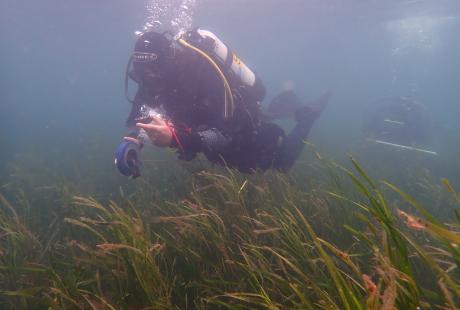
<point x="172" y="15"/>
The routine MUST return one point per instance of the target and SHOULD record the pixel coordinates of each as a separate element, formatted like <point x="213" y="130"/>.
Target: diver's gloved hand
<point x="159" y="131"/>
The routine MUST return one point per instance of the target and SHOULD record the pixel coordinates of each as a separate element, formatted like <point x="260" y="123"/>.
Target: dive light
<point x="127" y="159"/>
<point x="127" y="154"/>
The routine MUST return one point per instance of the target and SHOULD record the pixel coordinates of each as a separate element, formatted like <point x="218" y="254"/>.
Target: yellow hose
<point x="228" y="110"/>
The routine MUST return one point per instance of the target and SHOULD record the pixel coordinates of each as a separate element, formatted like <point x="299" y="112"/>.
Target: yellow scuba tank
<point x="229" y="60"/>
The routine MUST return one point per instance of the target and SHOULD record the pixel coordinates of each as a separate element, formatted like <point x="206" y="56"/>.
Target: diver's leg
<point x="267" y="145"/>
<point x="293" y="144"/>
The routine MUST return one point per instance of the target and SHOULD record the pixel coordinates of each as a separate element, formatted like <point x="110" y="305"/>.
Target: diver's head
<point x="151" y="61"/>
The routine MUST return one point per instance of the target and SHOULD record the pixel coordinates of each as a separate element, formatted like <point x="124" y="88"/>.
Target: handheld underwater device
<point x="127" y="154"/>
<point x="127" y="159"/>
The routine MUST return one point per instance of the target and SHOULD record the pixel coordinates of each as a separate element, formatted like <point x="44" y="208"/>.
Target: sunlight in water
<point x="419" y="32"/>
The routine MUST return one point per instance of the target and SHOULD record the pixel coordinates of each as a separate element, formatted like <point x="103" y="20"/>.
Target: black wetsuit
<point x="193" y="100"/>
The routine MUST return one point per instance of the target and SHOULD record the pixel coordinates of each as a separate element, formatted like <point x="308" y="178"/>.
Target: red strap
<point x="174" y="134"/>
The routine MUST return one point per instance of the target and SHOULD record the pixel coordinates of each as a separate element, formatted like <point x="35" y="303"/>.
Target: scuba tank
<point x="231" y="62"/>
<point x="233" y="68"/>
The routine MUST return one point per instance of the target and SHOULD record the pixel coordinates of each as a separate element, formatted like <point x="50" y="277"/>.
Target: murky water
<point x="63" y="70"/>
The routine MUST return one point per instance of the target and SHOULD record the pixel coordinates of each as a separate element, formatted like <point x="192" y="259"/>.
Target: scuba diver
<point x="195" y="95"/>
<point x="400" y="120"/>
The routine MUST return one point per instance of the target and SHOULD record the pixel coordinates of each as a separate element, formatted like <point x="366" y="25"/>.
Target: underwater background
<point x="63" y="113"/>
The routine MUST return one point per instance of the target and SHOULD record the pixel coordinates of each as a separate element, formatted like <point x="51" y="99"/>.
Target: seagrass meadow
<point x="194" y="236"/>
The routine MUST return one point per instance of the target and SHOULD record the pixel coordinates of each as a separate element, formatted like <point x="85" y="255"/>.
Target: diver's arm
<point x="211" y="141"/>
<point x="164" y="133"/>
